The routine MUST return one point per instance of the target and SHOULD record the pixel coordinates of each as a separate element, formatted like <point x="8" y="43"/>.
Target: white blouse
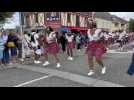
<point x="51" y="37"/>
<point x="96" y="36"/>
<point x="69" y="38"/>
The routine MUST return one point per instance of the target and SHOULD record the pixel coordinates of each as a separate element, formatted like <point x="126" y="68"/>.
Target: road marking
<point x="117" y="52"/>
<point x="32" y="81"/>
<point x="71" y="76"/>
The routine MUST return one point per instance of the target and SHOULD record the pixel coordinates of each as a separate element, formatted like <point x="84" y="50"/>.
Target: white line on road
<point x="32" y="81"/>
<point x="116" y="52"/>
<point x="73" y="77"/>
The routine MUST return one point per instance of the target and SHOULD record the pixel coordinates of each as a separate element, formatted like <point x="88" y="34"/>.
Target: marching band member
<point x="95" y="49"/>
<point x="106" y="36"/>
<point x="52" y="46"/>
<point x="120" y="40"/>
<point x="36" y="46"/>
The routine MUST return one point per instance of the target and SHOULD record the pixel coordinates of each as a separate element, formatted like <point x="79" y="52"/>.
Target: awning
<point x="65" y="29"/>
<point x="78" y="28"/>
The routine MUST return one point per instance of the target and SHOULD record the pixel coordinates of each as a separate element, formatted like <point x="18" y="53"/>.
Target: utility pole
<point x="22" y="34"/>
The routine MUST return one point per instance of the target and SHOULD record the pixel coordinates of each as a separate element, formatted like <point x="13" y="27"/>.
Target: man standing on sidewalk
<point x="131" y="67"/>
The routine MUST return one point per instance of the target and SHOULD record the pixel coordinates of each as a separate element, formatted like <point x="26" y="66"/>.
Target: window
<point x="36" y="18"/>
<point x="68" y="18"/>
<point x="116" y="24"/>
<point x="77" y="21"/>
<point x="53" y="14"/>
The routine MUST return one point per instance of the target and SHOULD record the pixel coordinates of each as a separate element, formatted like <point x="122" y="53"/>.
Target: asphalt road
<point x="116" y="63"/>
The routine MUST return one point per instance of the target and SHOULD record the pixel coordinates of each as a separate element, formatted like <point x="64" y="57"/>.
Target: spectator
<point x="6" y="49"/>
<point x="1" y="48"/>
<point x="19" y="46"/>
<point x="11" y="44"/>
<point x="131" y="67"/>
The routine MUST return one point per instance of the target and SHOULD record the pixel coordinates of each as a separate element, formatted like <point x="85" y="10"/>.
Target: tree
<point x="131" y="25"/>
<point x="4" y="16"/>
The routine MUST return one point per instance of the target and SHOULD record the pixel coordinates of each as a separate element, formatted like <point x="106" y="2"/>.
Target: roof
<point x="115" y="18"/>
<point x="108" y="16"/>
<point x="103" y="15"/>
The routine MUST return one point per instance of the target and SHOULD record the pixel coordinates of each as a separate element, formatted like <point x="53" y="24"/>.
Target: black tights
<point x="63" y="47"/>
<point x="78" y="46"/>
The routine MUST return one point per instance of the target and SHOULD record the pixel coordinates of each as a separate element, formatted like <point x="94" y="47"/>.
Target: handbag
<point x="10" y="44"/>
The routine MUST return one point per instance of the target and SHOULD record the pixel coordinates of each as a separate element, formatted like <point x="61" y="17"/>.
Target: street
<point x="71" y="73"/>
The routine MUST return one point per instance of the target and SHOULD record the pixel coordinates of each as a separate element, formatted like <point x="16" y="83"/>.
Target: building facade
<point x="73" y="20"/>
<point x="110" y="22"/>
<point x="57" y="20"/>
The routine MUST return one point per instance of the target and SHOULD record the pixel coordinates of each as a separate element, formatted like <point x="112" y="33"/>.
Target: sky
<point x="125" y="15"/>
<point x="14" y="21"/>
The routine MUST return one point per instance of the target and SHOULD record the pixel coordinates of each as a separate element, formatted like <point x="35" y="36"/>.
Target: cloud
<point x="12" y="22"/>
<point x="125" y="15"/>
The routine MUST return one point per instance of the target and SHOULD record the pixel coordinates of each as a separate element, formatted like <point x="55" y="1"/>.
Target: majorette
<point x="70" y="45"/>
<point x="52" y="47"/>
<point x="95" y="48"/>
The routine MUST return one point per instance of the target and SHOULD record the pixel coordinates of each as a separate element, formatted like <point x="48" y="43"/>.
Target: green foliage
<point x="4" y="16"/>
<point x="131" y="25"/>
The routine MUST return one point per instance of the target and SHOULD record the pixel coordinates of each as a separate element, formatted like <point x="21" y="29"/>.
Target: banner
<point x="52" y="16"/>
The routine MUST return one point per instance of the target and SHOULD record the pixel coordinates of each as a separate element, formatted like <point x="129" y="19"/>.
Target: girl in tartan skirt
<point x="95" y="49"/>
<point x="51" y="47"/>
<point x="70" y="45"/>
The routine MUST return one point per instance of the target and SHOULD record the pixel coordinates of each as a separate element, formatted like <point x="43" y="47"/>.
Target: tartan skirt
<point x="70" y="45"/>
<point x="95" y="48"/>
<point x="52" y="48"/>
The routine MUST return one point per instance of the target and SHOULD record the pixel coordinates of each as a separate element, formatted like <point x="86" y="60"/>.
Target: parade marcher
<point x="78" y="42"/>
<point x="27" y="47"/>
<point x="106" y="36"/>
<point x="51" y="46"/>
<point x="95" y="49"/>
<point x="35" y="46"/>
<point x="63" y="42"/>
<point x="40" y="40"/>
<point x="70" y="45"/>
<point x="120" y="40"/>
<point x="110" y="38"/>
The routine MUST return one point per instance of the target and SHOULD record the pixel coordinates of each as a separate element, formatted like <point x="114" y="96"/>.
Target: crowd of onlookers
<point x="10" y="47"/>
